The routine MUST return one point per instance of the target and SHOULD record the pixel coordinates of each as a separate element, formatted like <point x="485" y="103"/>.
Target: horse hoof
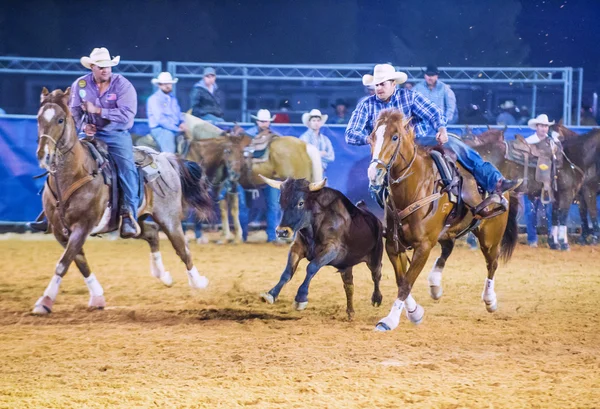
<point x="166" y="279"/>
<point x="43" y="306"/>
<point x="435" y="291"/>
<point x="491" y="305"/>
<point x="198" y="282"/>
<point x="416" y="316"/>
<point x="376" y="300"/>
<point x="300" y="306"/>
<point x="97" y="302"/>
<point x="268" y="298"/>
<point x="565" y="247"/>
<point x="382" y="327"/>
<point x="350" y="316"/>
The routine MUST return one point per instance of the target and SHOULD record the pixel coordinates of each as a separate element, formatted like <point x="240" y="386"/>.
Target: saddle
<point x="148" y="171"/>
<point x="258" y="150"/>
<point x="538" y="156"/>
<point x="464" y="192"/>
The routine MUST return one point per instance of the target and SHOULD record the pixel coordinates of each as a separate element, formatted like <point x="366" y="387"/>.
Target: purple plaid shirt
<point x="118" y="103"/>
<point x="425" y="116"/>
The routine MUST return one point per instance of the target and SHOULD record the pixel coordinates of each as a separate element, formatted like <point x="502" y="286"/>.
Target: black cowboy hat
<point x="431" y="70"/>
<point x="339" y="101"/>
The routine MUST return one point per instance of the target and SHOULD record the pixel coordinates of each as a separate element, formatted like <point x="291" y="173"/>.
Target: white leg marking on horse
<point x="49" y="114"/>
<point x="435" y="276"/>
<point x="562" y="234"/>
<point x="52" y="289"/>
<point x="393" y="318"/>
<point x="489" y="295"/>
<point x="157" y="269"/>
<point x="379" y="133"/>
<point x="554" y="233"/>
<point x="410" y="303"/>
<point x="94" y="286"/>
<point x="414" y="312"/>
<point x="195" y="280"/>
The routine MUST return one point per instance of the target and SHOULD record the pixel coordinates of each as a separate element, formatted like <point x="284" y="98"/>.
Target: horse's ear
<point x="489" y="127"/>
<point x="44" y="93"/>
<point x="66" y="96"/>
<point x="406" y="122"/>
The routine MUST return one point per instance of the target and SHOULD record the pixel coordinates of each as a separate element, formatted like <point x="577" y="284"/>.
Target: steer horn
<point x="313" y="187"/>
<point x="273" y="183"/>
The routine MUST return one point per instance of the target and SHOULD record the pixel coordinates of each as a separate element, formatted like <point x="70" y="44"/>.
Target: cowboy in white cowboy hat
<point x="428" y="120"/>
<point x="541" y="124"/>
<point x="101" y="58"/>
<point x="506" y="117"/>
<point x="110" y="122"/>
<point x="165" y="119"/>
<point x="314" y="120"/>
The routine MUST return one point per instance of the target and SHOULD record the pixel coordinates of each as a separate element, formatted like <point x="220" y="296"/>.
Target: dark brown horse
<point x="492" y="147"/>
<point x="417" y="211"/>
<point x="584" y="151"/>
<point x="76" y="201"/>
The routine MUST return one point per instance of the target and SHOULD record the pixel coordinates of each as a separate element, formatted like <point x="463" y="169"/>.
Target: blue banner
<point x="19" y="199"/>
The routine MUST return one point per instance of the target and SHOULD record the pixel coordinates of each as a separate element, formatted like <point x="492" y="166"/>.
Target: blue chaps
<point x="120" y="147"/>
<point x="486" y="174"/>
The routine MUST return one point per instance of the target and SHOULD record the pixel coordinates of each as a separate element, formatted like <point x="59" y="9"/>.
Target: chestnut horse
<point x="584" y="151"/>
<point x="76" y="201"/>
<point x="492" y="147"/>
<point x="416" y="215"/>
<point x="223" y="160"/>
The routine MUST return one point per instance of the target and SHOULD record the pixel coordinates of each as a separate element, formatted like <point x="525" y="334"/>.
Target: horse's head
<point x="55" y="126"/>
<point x="392" y="140"/>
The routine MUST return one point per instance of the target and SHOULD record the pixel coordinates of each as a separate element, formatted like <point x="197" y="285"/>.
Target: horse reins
<point x="58" y="197"/>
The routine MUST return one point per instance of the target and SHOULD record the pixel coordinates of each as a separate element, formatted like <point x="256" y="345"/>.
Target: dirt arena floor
<point x="223" y="348"/>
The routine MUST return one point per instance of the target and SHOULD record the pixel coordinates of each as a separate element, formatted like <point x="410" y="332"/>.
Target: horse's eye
<point x="395" y="138"/>
<point x="300" y="204"/>
<point x="61" y="120"/>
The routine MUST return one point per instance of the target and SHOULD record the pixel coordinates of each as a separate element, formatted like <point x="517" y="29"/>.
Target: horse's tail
<point x="317" y="165"/>
<point x="511" y="232"/>
<point x="193" y="187"/>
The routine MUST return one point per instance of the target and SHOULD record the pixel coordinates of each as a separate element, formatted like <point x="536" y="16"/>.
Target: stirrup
<point x="492" y="206"/>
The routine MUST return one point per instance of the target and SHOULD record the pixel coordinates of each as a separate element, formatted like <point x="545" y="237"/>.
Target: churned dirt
<point x="223" y="348"/>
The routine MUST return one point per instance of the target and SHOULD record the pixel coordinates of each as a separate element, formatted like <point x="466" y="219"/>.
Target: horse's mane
<point x="394" y="115"/>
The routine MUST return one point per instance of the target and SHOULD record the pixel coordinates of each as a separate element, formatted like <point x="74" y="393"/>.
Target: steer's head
<point x="296" y="200"/>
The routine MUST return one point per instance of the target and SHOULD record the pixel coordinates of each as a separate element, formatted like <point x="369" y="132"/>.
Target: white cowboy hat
<point x="164" y="78"/>
<point x="314" y="112"/>
<point x="540" y="120"/>
<point x="382" y="73"/>
<point x="101" y="58"/>
<point x="508" y="104"/>
<point x="263" y="115"/>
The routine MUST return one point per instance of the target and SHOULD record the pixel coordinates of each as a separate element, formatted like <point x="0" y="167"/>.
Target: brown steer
<point x="329" y="231"/>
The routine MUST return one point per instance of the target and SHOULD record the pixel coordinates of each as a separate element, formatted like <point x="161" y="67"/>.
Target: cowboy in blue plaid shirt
<point x="426" y="118"/>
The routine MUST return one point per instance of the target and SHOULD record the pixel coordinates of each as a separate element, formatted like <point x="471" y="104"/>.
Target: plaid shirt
<point x="425" y="116"/>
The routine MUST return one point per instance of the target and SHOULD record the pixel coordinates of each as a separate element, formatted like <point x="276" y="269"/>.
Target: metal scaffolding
<point x="563" y="76"/>
<point x="27" y="65"/>
<point x="353" y="73"/>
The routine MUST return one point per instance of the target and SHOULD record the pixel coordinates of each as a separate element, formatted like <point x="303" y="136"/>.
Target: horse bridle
<point x="56" y="144"/>
<point x="388" y="166"/>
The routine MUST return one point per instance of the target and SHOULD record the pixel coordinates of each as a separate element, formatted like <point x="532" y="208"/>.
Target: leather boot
<point x="129" y="226"/>
<point x="40" y="223"/>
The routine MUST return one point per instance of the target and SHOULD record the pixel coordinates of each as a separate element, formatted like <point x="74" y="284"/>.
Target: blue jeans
<point x="165" y="139"/>
<point x="486" y="174"/>
<point x="211" y="118"/>
<point x="120" y="147"/>
<point x="272" y="199"/>
<point x="531" y="211"/>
